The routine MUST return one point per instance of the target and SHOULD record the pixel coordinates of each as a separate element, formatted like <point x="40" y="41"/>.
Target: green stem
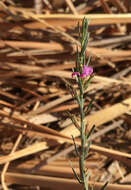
<point x="82" y="156"/>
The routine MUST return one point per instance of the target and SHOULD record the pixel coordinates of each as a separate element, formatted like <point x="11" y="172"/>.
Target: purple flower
<point x="75" y="73"/>
<point x="86" y="72"/>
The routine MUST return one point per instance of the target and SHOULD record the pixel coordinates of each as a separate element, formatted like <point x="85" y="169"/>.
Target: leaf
<point x="77" y="61"/>
<point x="77" y="152"/>
<point x="104" y="186"/>
<point x="79" y="31"/>
<point x="83" y="49"/>
<point x="87" y="82"/>
<point x="74" y="120"/>
<point x="75" y="174"/>
<point x="88" y="61"/>
<point x="69" y="87"/>
<point x="90" y="132"/>
<point x="84" y="28"/>
<point x="89" y="105"/>
<point x="87" y="149"/>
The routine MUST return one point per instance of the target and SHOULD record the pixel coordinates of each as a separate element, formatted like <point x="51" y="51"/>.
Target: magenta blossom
<point x="86" y="72"/>
<point x="75" y="73"/>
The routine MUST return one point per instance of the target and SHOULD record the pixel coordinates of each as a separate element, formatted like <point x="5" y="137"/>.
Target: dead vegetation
<point x="37" y="52"/>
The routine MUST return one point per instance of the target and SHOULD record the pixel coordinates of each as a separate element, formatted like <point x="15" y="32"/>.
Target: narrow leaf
<point x="79" y="31"/>
<point x="89" y="105"/>
<point x="87" y="149"/>
<point x="77" y="152"/>
<point x="84" y="28"/>
<point x="74" y="120"/>
<point x="90" y="132"/>
<point x="104" y="186"/>
<point x="87" y="82"/>
<point x="77" y="61"/>
<point x="75" y="174"/>
<point x="88" y="61"/>
<point x="84" y="46"/>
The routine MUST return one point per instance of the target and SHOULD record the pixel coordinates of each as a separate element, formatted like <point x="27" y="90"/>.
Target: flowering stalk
<point x="83" y="75"/>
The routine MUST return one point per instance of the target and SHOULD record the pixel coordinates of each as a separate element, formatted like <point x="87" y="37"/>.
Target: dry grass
<point x="37" y="53"/>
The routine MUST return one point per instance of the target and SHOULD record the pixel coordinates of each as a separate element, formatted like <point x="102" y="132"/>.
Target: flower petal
<point x="86" y="71"/>
<point x="75" y="73"/>
<point x="85" y="68"/>
<point x="89" y="71"/>
<point x="82" y="75"/>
